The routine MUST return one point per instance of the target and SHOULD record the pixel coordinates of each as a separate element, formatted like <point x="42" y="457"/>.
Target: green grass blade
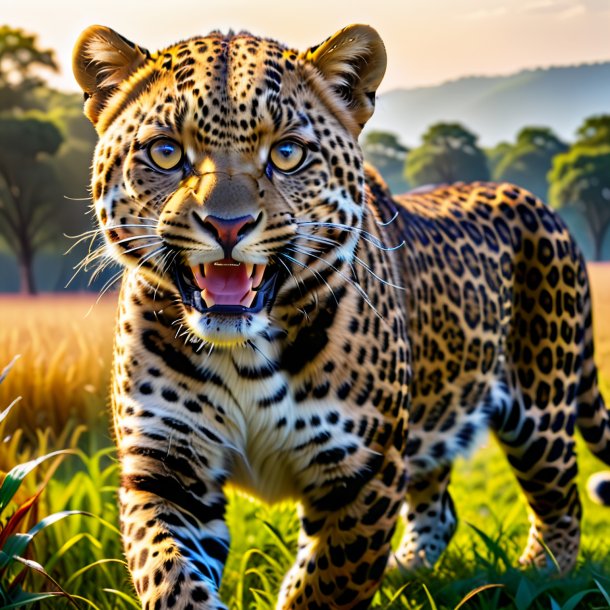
<point x="66" y="546"/>
<point x="554" y="604"/>
<point x="25" y="599"/>
<point x="113" y="528"/>
<point x="54" y="518"/>
<point x="86" y="601"/>
<point x="269" y="559"/>
<point x="8" y="409"/>
<point x="99" y="562"/>
<point x="126" y="598"/>
<point x="34" y="565"/>
<point x="549" y="554"/>
<point x="397" y="594"/>
<point x="263" y="600"/>
<point x="262" y="577"/>
<point x="573" y="602"/>
<point x="13" y="479"/>
<point x="602" y="591"/>
<point x="493" y="546"/>
<point x="475" y="592"/>
<point x="430" y="598"/>
<point x="288" y="554"/>
<point x="17" y="543"/>
<point x="243" y="570"/>
<point x="526" y="592"/>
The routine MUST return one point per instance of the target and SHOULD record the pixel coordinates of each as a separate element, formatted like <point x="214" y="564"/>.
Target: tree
<point x="449" y="153"/>
<point x="580" y="179"/>
<point x="383" y="150"/>
<point x="496" y="154"/>
<point x="595" y="131"/>
<point x="29" y="189"/>
<point x="36" y="174"/>
<point x="20" y="59"/>
<point x="529" y="161"/>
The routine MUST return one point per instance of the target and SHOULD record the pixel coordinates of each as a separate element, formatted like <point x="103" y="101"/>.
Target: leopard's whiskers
<point x="349" y="280"/>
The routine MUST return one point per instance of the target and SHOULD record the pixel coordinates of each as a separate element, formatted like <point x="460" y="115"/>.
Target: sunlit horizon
<point x="428" y="43"/>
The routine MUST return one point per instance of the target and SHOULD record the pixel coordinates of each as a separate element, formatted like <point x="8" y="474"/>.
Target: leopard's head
<point x="227" y="171"/>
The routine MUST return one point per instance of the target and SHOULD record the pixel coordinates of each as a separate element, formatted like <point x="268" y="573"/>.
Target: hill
<point x="496" y="108"/>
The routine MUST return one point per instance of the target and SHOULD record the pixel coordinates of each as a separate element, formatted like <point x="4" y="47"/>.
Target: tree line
<point x="45" y="151"/>
<point x="46" y="146"/>
<point x="572" y="177"/>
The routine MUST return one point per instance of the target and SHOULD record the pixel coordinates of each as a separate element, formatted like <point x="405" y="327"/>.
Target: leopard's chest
<point x="280" y="447"/>
<point x="277" y="430"/>
<point x="261" y="415"/>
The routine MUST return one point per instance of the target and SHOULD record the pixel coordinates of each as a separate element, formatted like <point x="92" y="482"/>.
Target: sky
<point x="428" y="41"/>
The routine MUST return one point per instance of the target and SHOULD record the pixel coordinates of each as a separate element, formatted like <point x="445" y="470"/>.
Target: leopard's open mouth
<point x="227" y="286"/>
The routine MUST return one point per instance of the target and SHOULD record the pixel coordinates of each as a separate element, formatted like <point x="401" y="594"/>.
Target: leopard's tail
<point x="592" y="418"/>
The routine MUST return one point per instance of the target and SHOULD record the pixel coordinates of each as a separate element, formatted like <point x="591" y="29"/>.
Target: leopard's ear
<point x="353" y="62"/>
<point x="101" y="60"/>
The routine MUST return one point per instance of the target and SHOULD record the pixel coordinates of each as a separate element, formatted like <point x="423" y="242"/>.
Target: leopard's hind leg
<point x="544" y="368"/>
<point x="540" y="449"/>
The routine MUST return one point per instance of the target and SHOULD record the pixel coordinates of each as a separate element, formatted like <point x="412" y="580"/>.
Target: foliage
<point x="35" y="173"/>
<point x="20" y="61"/>
<point x="529" y="160"/>
<point x="28" y="188"/>
<point x="73" y="160"/>
<point x="86" y="553"/>
<point x="580" y="177"/>
<point x="17" y="531"/>
<point x="496" y="154"/>
<point x="449" y="153"/>
<point x="595" y="131"/>
<point x="75" y="550"/>
<point x="383" y="150"/>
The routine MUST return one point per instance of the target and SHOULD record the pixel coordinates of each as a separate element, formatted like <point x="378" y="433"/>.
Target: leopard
<point x="288" y="327"/>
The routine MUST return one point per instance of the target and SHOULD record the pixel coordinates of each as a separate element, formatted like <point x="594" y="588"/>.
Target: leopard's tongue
<point x="226" y="282"/>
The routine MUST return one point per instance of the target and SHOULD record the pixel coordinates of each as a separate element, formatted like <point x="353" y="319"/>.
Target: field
<point x="65" y="343"/>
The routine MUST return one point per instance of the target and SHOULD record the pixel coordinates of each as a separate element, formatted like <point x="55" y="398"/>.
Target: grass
<point x="84" y="554"/>
<point x="62" y="376"/>
<point x="486" y="498"/>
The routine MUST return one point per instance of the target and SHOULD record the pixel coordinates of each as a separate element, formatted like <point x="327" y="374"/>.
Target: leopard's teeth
<point x="249" y="269"/>
<point x="198" y="272"/>
<point x="208" y="299"/>
<point x="257" y="278"/>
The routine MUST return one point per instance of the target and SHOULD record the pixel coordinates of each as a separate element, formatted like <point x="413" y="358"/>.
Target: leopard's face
<point x="227" y="173"/>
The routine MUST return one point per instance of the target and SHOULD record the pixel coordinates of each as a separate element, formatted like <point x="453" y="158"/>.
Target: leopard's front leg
<point x="345" y="540"/>
<point x="172" y="518"/>
<point x="174" y="456"/>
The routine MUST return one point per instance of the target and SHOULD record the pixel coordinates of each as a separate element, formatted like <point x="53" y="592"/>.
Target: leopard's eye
<point x="287" y="155"/>
<point x="165" y="154"/>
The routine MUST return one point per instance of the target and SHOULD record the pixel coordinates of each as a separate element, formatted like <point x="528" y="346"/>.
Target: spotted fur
<point x="441" y="313"/>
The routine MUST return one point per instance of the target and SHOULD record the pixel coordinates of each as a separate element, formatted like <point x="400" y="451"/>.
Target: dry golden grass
<point x="65" y="345"/>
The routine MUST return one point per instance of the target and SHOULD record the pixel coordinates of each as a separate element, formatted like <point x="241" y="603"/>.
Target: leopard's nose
<point x="228" y="231"/>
